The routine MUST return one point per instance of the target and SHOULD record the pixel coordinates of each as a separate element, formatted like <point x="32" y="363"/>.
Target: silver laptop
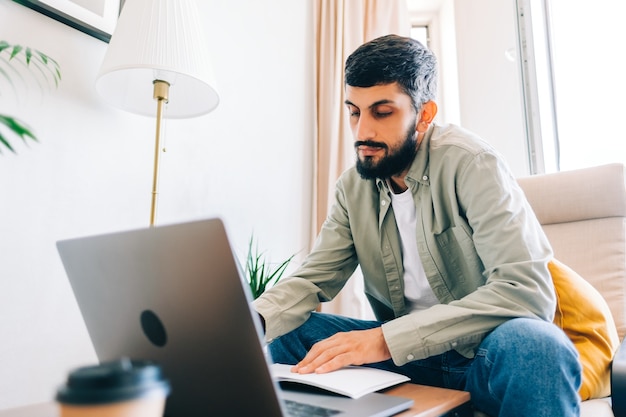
<point x="174" y="294"/>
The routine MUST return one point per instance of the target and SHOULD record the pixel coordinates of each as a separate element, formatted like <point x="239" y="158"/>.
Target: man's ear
<point x="427" y="114"/>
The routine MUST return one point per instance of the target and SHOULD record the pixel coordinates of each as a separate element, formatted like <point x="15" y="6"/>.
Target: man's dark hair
<point x="394" y="58"/>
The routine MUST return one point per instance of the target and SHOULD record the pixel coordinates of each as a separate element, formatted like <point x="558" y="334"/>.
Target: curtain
<point x="340" y="27"/>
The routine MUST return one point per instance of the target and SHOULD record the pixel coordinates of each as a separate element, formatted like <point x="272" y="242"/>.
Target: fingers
<point x="343" y="349"/>
<point x="325" y="356"/>
<point x="317" y="355"/>
<point x="333" y="364"/>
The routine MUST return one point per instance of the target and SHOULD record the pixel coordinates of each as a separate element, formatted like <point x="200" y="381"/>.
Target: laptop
<point x="175" y="294"/>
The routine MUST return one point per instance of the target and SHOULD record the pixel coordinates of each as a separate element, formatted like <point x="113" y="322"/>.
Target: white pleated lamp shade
<point x="158" y="40"/>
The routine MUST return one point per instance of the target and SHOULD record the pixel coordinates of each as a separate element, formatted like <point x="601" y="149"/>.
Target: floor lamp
<point x="158" y="52"/>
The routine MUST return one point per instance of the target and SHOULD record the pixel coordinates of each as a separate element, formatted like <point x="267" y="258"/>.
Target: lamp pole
<point x="161" y="91"/>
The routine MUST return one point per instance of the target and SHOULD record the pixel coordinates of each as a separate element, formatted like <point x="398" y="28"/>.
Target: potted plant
<point x="259" y="271"/>
<point x="14" y="59"/>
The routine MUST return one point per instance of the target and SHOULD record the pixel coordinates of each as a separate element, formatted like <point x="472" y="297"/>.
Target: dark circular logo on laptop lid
<point x="153" y="328"/>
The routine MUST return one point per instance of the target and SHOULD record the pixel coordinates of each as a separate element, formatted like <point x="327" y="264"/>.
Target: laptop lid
<point x="174" y="294"/>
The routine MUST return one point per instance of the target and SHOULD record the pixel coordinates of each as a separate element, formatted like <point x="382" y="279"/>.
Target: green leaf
<point x="45" y="65"/>
<point x="18" y="128"/>
<point x="44" y="70"/>
<point x="16" y="50"/>
<point x="29" y="55"/>
<point x="6" y="143"/>
<point x="51" y="65"/>
<point x="258" y="271"/>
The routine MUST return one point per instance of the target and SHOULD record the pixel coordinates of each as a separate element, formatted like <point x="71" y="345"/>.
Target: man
<point x="454" y="260"/>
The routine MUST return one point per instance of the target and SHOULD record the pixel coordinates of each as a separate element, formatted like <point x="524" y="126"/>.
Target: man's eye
<point x="381" y="114"/>
<point x="353" y="113"/>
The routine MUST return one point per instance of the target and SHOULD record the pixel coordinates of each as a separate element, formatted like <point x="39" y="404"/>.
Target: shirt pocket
<point x="459" y="260"/>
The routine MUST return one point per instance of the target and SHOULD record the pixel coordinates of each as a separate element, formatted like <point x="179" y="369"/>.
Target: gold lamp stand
<point x="161" y="91"/>
<point x="159" y="41"/>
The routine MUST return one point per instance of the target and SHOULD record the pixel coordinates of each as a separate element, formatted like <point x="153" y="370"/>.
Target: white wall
<point x="250" y="162"/>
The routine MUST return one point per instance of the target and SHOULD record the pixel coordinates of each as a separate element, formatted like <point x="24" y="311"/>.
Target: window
<point x="577" y="48"/>
<point x="590" y="86"/>
<point x="421" y="34"/>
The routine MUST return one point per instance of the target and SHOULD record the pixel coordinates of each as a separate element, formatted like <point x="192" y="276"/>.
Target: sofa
<point x="583" y="213"/>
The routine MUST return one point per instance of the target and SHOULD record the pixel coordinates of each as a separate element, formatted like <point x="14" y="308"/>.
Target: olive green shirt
<point x="484" y="253"/>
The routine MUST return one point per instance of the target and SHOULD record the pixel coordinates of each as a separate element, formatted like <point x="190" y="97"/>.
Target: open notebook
<point x="174" y="294"/>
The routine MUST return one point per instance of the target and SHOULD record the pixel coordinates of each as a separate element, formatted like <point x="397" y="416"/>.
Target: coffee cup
<point x="120" y="388"/>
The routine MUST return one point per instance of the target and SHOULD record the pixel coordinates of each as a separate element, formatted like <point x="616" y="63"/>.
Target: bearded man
<point x="453" y="258"/>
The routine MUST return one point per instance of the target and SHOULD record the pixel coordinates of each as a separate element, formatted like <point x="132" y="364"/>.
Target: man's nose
<point x="364" y="129"/>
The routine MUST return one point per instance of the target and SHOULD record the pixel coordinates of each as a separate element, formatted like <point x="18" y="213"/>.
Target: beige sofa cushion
<point x="596" y="408"/>
<point x="583" y="214"/>
<point x="582" y="194"/>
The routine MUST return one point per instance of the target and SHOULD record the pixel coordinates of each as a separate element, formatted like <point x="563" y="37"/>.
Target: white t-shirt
<point x="416" y="287"/>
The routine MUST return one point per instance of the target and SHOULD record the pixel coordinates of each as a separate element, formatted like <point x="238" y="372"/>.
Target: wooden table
<point x="429" y="402"/>
<point x="36" y="410"/>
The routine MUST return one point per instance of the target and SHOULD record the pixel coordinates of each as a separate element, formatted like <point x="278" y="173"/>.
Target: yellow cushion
<point x="585" y="317"/>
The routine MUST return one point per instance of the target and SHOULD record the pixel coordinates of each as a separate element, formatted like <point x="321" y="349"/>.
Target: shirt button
<point x="410" y="357"/>
<point x="383" y="202"/>
<point x="454" y="344"/>
<point x="425" y="177"/>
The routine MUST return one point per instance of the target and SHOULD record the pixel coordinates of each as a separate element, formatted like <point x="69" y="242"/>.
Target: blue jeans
<point x="524" y="367"/>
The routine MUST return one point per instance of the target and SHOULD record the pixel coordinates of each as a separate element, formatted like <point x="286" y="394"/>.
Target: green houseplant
<point x="15" y="61"/>
<point x="259" y="271"/>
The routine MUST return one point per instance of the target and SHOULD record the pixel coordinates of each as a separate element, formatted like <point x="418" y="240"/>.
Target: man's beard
<point x="391" y="164"/>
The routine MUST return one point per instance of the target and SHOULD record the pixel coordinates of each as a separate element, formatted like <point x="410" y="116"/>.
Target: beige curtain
<point x="340" y="27"/>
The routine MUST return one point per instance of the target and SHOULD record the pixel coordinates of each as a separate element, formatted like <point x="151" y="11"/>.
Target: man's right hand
<point x="357" y="347"/>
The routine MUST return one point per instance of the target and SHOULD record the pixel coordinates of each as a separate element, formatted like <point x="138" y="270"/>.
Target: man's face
<point x="383" y="123"/>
